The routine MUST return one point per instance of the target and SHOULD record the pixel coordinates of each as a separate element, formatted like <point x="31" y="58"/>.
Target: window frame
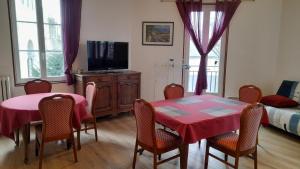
<point x="41" y="42"/>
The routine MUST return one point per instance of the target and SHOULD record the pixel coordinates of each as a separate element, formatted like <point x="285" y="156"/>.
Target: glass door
<point x="215" y="60"/>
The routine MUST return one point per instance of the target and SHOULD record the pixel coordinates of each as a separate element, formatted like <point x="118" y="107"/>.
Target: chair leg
<point x="17" y="141"/>
<point x="36" y="146"/>
<point x="141" y="152"/>
<point x="206" y="156"/>
<point x="159" y="156"/>
<point x="255" y="158"/>
<point x="236" y="163"/>
<point x="41" y="154"/>
<point x="134" y="156"/>
<point x="78" y="139"/>
<point x="95" y="128"/>
<point x="154" y="161"/>
<point x="74" y="148"/>
<point x="85" y="127"/>
<point x="68" y="141"/>
<point x="226" y="157"/>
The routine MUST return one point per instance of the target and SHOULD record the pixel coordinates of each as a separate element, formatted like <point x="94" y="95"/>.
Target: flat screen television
<point x="105" y="55"/>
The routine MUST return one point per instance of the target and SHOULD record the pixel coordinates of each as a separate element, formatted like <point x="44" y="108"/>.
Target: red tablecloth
<point x="21" y="110"/>
<point x="198" y="117"/>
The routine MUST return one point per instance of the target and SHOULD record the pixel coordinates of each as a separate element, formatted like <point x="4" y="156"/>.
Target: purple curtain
<point x="71" y="16"/>
<point x="190" y="12"/>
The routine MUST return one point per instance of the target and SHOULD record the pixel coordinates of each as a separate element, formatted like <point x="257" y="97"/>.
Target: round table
<point x="18" y="112"/>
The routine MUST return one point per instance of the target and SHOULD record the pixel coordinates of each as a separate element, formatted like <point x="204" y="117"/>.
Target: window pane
<point x="53" y="37"/>
<point x="27" y="36"/>
<point x="25" y="10"/>
<point x="55" y="64"/>
<point x="51" y="11"/>
<point x="29" y="64"/>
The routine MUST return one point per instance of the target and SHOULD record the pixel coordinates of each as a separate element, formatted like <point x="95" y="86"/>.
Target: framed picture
<point x="158" y="33"/>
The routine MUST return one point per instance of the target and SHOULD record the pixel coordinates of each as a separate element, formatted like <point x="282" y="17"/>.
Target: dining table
<point x="19" y="112"/>
<point x="198" y="117"/>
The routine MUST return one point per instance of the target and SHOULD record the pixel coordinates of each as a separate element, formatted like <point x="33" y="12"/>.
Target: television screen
<point x="104" y="55"/>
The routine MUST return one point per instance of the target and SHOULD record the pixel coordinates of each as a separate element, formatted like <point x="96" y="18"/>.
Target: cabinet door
<point x="128" y="91"/>
<point x="106" y="98"/>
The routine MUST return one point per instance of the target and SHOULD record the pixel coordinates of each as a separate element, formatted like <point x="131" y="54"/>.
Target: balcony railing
<point x="212" y="73"/>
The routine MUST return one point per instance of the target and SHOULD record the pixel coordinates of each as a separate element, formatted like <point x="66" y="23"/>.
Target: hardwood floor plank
<point x="114" y="150"/>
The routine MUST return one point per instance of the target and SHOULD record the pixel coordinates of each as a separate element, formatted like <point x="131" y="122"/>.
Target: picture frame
<point x="158" y="33"/>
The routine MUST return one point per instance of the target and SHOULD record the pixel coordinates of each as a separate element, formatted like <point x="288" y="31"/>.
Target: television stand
<point x="116" y="91"/>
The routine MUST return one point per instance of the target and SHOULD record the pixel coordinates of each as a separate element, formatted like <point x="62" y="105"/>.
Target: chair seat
<point x="166" y="141"/>
<point x="226" y="141"/>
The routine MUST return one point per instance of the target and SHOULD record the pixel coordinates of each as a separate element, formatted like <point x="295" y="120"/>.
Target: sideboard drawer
<point x="99" y="79"/>
<point x="129" y="77"/>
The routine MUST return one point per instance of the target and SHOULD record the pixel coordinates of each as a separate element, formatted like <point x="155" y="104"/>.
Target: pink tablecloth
<point x="198" y="117"/>
<point x="21" y="110"/>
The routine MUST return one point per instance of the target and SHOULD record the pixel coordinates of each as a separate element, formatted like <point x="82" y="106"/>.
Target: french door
<point x="215" y="60"/>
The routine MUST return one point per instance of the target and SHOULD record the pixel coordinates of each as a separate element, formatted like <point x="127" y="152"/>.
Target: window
<point x="215" y="59"/>
<point x="37" y="40"/>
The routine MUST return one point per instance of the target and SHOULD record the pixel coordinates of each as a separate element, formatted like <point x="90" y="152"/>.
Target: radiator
<point x="5" y="92"/>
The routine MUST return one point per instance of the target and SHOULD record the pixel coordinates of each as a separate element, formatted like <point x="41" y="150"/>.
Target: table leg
<point x="184" y="150"/>
<point x="78" y="139"/>
<point x="26" y="140"/>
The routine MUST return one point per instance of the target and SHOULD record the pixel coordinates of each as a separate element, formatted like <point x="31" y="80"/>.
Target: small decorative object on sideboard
<point x="158" y="33"/>
<point x="116" y="91"/>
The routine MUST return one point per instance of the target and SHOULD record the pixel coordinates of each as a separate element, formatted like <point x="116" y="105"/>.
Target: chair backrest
<point x="144" y="115"/>
<point x="249" y="125"/>
<point x="250" y="94"/>
<point x="173" y="91"/>
<point x="90" y="95"/>
<point x="57" y="112"/>
<point x="37" y="86"/>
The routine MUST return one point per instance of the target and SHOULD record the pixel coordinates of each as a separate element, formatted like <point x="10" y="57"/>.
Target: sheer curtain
<point x="190" y="12"/>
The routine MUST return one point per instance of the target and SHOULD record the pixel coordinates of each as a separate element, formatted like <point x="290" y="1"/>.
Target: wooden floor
<point x="114" y="150"/>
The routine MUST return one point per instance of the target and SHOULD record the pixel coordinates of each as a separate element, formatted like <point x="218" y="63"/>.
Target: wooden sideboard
<point x="116" y="91"/>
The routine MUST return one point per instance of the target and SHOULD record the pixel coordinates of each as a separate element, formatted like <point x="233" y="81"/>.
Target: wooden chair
<point x="250" y="94"/>
<point x="34" y="87"/>
<point x="173" y="91"/>
<point x="90" y="118"/>
<point x="238" y="145"/>
<point x="56" y="112"/>
<point x="156" y="141"/>
<point x="38" y="86"/>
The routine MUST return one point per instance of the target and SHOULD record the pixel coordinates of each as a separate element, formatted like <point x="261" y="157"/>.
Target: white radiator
<point x="5" y="92"/>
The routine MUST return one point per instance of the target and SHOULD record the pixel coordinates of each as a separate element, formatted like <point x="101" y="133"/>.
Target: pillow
<point x="287" y="88"/>
<point x="278" y="101"/>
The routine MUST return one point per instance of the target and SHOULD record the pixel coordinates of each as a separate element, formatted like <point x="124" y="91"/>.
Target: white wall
<point x="104" y="20"/>
<point x="252" y="50"/>
<point x="153" y="61"/>
<point x="289" y="52"/>
<point x="252" y="53"/>
<point x="253" y="46"/>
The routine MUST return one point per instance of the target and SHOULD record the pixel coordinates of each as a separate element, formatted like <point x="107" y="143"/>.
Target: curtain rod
<point x="175" y="0"/>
